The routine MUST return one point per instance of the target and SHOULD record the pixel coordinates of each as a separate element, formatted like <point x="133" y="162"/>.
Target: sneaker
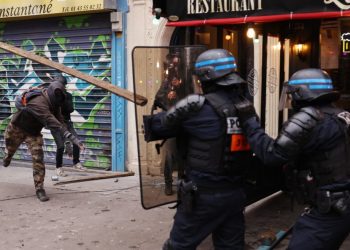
<point x="60" y="172"/>
<point x="6" y="161"/>
<point x="79" y="166"/>
<point x="41" y="194"/>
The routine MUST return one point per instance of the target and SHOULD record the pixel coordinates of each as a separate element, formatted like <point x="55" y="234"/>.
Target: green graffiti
<point x="90" y="102"/>
<point x="75" y="21"/>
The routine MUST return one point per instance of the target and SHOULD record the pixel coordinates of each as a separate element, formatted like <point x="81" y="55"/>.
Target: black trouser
<point x="315" y="230"/>
<point x="60" y="143"/>
<point x="216" y="213"/>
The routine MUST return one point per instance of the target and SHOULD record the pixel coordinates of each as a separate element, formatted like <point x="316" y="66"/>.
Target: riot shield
<point x="163" y="75"/>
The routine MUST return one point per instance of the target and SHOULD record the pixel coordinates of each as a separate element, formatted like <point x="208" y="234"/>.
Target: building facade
<point x="270" y="40"/>
<point x="85" y="36"/>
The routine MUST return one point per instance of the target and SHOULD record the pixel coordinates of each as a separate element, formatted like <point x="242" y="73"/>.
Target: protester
<point x="66" y="109"/>
<point x="37" y="109"/>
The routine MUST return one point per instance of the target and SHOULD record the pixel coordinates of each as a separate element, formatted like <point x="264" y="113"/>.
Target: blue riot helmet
<point x="307" y="87"/>
<point x="217" y="66"/>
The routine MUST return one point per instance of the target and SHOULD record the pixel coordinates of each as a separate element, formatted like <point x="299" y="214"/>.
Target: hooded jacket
<point x="41" y="111"/>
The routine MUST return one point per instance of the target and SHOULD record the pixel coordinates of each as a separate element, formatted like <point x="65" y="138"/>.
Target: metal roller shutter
<point x="80" y="42"/>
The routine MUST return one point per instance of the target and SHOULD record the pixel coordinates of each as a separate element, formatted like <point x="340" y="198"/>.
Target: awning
<point x="218" y="12"/>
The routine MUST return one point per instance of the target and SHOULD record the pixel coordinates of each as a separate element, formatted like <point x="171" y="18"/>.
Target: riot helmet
<point x="307" y="87"/>
<point x="217" y="66"/>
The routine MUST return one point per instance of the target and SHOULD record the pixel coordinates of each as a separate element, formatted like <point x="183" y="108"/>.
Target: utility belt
<point x="327" y="201"/>
<point x="187" y="191"/>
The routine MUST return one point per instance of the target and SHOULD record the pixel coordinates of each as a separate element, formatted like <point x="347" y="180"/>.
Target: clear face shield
<point x="286" y="98"/>
<point x="197" y="85"/>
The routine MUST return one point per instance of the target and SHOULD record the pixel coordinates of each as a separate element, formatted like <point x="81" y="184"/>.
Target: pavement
<point x="107" y="214"/>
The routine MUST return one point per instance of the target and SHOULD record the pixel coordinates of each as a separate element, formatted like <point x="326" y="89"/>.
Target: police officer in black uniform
<point x="315" y="146"/>
<point x="211" y="198"/>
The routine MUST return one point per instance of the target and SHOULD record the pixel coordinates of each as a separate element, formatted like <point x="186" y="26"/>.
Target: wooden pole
<point x="93" y="178"/>
<point x="138" y="99"/>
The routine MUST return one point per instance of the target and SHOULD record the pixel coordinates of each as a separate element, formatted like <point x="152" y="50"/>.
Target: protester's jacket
<point x="38" y="113"/>
<point x="67" y="107"/>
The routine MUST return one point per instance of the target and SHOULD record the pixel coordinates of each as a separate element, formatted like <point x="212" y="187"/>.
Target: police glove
<point x="245" y="110"/>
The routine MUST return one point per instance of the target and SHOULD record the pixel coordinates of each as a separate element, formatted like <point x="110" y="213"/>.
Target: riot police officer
<point x="211" y="198"/>
<point x="315" y="144"/>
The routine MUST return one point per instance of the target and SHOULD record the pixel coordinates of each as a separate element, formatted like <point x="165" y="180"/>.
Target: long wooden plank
<point x="93" y="178"/>
<point x="138" y="99"/>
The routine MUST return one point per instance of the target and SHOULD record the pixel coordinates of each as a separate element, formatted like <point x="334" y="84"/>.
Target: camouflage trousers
<point x="14" y="137"/>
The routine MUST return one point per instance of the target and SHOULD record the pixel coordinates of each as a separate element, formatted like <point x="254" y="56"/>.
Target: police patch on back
<point x="233" y="126"/>
<point x="238" y="140"/>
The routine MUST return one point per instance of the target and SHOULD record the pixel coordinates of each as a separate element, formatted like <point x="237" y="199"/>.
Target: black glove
<point x="245" y="110"/>
<point x="149" y="135"/>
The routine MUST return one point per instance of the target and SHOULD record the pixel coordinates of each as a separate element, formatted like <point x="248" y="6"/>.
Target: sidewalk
<point x="105" y="214"/>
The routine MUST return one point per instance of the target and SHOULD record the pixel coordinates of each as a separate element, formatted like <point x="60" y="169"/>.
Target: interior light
<point x="251" y="32"/>
<point x="227" y="37"/>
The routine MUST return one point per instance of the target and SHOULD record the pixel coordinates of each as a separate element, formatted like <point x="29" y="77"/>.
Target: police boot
<point x="7" y="160"/>
<point x="167" y="245"/>
<point x="168" y="188"/>
<point x="41" y="194"/>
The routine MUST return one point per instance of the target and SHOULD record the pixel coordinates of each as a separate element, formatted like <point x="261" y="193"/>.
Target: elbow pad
<point x="297" y="130"/>
<point x="183" y="109"/>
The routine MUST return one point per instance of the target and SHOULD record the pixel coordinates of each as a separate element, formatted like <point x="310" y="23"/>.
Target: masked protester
<point x="211" y="198"/>
<point x="66" y="109"/>
<point x="313" y="146"/>
<point x="37" y="109"/>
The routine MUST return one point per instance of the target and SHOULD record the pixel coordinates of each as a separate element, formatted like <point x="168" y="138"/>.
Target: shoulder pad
<point x="297" y="129"/>
<point x="183" y="109"/>
<point x="345" y="117"/>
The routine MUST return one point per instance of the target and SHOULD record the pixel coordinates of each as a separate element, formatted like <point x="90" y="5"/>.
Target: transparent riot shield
<point x="163" y="75"/>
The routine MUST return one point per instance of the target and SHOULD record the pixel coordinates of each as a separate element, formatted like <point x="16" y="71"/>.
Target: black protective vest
<point x="227" y="154"/>
<point x="332" y="166"/>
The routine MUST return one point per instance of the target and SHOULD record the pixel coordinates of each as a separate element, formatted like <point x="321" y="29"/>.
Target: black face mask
<point x="56" y="93"/>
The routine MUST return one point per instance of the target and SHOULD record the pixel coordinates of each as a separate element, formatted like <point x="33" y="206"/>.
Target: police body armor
<point x="321" y="170"/>
<point x="226" y="154"/>
<point x="332" y="166"/>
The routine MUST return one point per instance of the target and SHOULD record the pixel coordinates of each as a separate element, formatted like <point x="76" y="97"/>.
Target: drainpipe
<point x="118" y="20"/>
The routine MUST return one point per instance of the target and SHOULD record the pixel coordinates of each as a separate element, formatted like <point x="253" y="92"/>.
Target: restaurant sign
<point x="10" y="9"/>
<point x="239" y="11"/>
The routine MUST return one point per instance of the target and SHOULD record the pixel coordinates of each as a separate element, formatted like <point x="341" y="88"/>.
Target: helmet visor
<point x="285" y="99"/>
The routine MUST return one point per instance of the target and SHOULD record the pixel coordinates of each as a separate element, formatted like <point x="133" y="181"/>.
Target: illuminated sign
<point x="345" y="38"/>
<point x="24" y="8"/>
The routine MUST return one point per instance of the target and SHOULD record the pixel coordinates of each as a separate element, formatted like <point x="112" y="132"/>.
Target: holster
<point x="323" y="201"/>
<point x="186" y="195"/>
<point x="338" y="202"/>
